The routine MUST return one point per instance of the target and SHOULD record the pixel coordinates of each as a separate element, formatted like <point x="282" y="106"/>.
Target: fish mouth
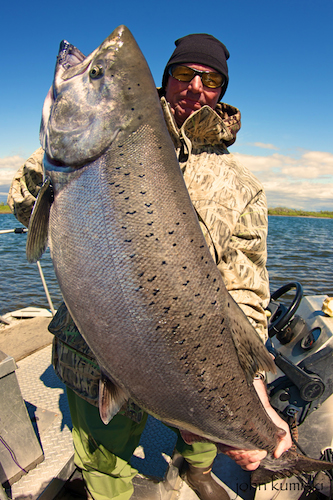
<point x="51" y="164"/>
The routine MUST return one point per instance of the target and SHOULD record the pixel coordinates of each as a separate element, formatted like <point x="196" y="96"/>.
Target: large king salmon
<point x="132" y="263"/>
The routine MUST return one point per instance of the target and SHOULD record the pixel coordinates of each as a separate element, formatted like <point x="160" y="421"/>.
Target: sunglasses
<point x="209" y="79"/>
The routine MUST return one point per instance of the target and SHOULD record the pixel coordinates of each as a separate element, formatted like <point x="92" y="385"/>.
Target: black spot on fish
<point x="180" y="341"/>
<point x="148" y="205"/>
<point x="150" y="223"/>
<point x="155" y="292"/>
<point x="184" y="267"/>
<point x="127" y="241"/>
<point x="175" y="298"/>
<point x="133" y="255"/>
<point x="213" y="303"/>
<point x="202" y="361"/>
<point x="122" y="192"/>
<point x="204" y="314"/>
<point x="166" y="309"/>
<point x="141" y="175"/>
<point x="131" y="213"/>
<point x="127" y="173"/>
<point x="139" y="288"/>
<point x="152" y="303"/>
<point x="197" y="346"/>
<point x="185" y="284"/>
<point x="163" y="262"/>
<point x="151" y="279"/>
<point x="143" y="192"/>
<point x="219" y="345"/>
<point x="141" y="274"/>
<point x="149" y="235"/>
<point x="197" y="295"/>
<point x="221" y="332"/>
<point x="171" y="232"/>
<point x="188" y="315"/>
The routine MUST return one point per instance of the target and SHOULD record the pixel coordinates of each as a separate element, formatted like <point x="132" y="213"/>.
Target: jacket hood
<point x="205" y="126"/>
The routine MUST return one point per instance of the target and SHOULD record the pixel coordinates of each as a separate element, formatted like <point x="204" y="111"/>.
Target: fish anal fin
<point x="252" y="353"/>
<point x="38" y="230"/>
<point x="288" y="465"/>
<point x="111" y="398"/>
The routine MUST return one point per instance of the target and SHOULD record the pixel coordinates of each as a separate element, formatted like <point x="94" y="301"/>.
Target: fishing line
<point x="12" y="454"/>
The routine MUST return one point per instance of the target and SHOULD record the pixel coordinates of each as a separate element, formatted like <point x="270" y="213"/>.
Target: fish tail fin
<point x="39" y="223"/>
<point x="289" y="464"/>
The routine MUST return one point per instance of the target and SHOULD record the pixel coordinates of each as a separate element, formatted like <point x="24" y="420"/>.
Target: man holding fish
<point x="231" y="207"/>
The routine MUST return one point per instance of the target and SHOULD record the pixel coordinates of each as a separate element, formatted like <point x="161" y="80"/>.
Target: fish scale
<point x="131" y="261"/>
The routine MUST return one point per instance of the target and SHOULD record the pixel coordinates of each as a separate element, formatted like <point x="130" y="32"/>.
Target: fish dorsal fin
<point x="252" y="353"/>
<point x="111" y="398"/>
<point x="39" y="223"/>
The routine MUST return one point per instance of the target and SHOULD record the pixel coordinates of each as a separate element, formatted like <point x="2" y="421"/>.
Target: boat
<point x="37" y="459"/>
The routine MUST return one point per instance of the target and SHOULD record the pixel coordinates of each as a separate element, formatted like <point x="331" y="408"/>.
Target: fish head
<point x="94" y="98"/>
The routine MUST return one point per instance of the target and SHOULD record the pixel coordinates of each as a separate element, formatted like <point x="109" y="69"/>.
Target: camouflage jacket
<point x="231" y="207"/>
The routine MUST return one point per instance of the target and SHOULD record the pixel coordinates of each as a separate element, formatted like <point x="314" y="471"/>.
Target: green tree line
<point x="289" y="212"/>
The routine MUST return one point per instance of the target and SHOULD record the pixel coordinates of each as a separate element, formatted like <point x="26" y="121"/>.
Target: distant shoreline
<point x="4" y="209"/>
<point x="303" y="216"/>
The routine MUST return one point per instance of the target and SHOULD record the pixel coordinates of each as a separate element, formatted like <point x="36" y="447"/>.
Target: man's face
<point x="187" y="97"/>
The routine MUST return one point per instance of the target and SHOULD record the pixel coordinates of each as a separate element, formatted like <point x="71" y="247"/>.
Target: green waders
<point x="105" y="467"/>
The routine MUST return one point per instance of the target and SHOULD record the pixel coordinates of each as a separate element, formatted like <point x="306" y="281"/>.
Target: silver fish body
<point x="131" y="260"/>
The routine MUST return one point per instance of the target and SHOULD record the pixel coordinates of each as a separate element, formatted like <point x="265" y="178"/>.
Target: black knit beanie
<point x="200" y="48"/>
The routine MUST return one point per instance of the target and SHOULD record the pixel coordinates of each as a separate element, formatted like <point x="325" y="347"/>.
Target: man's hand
<point x="250" y="459"/>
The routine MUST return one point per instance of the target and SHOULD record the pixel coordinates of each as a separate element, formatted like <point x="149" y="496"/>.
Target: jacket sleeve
<point x="25" y="186"/>
<point x="232" y="210"/>
<point x="243" y="266"/>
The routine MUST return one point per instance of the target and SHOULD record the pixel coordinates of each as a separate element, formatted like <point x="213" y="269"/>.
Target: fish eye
<point x="96" y="71"/>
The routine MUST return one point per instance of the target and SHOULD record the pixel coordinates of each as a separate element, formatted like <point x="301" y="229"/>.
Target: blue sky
<point x="281" y="77"/>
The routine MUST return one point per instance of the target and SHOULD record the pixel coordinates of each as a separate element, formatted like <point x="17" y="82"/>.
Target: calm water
<point x="299" y="249"/>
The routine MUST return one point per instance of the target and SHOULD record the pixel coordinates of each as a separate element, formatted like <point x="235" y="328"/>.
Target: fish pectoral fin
<point x="252" y="353"/>
<point x="289" y="464"/>
<point x="111" y="398"/>
<point x="38" y="230"/>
